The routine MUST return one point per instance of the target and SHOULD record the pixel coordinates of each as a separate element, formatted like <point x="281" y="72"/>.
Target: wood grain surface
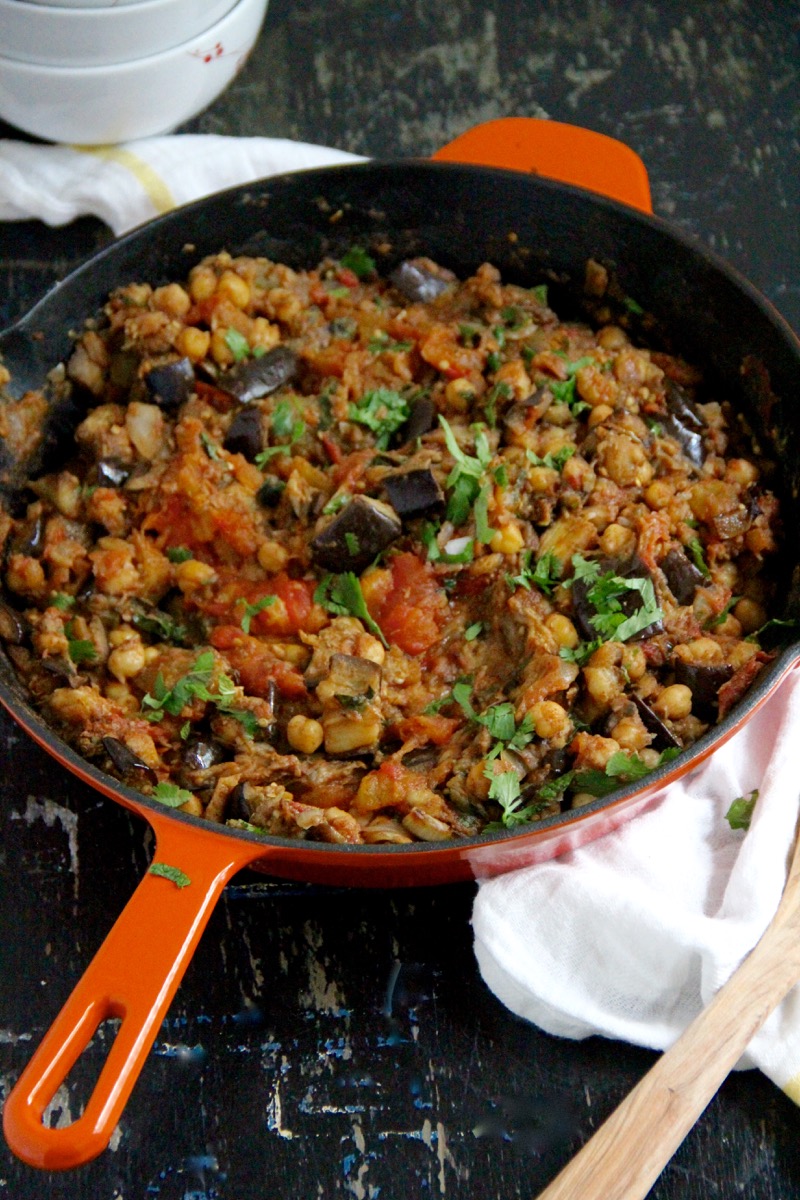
<point x="342" y="1044"/>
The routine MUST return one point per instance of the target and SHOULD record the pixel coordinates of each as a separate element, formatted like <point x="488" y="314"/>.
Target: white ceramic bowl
<point x="95" y="37"/>
<point x="85" y="3"/>
<point x="139" y="98"/>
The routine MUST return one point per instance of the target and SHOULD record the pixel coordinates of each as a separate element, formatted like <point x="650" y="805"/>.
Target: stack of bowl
<point x="96" y="72"/>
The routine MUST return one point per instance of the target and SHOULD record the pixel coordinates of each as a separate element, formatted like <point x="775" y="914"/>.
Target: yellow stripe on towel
<point x="151" y="182"/>
<point x="792" y="1088"/>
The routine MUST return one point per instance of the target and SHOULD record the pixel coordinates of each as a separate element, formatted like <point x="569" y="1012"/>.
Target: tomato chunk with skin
<point x="256" y="665"/>
<point x="414" y="608"/>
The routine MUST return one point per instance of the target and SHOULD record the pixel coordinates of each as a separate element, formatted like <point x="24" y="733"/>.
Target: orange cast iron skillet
<point x="533" y="229"/>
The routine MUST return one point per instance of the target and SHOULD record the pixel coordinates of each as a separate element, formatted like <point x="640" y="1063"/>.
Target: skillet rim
<point x="58" y="749"/>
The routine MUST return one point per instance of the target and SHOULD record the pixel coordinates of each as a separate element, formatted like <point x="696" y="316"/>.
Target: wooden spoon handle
<point x="628" y="1152"/>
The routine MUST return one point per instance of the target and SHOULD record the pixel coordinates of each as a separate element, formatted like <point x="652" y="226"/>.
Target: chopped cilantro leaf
<point x="179" y="554"/>
<point x="698" y="558"/>
<point x="62" y="601"/>
<point x="605" y="593"/>
<point x="540" y="292"/>
<point x="555" y="462"/>
<point x="483" y="531"/>
<point x="352" y="543"/>
<point x="81" y="650"/>
<point x="383" y="411"/>
<point x="546" y="574"/>
<point x="473" y="631"/>
<point x="174" y="874"/>
<point x="337" y="502"/>
<point x="342" y="594"/>
<point x="171" y="795"/>
<point x="358" y="261"/>
<point x="237" y="343"/>
<point x="161" y="625"/>
<point x="252" y="610"/>
<point x="493" y="361"/>
<point x="633" y="306"/>
<point x="740" y="812"/>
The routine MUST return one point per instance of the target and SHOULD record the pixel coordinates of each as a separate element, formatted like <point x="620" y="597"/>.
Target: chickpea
<point x="264" y="335"/>
<point x="542" y="479"/>
<point x="700" y="650"/>
<point x="508" y="540"/>
<point x="459" y="394"/>
<point x="750" y="615"/>
<point x="742" y="653"/>
<point x="562" y="630"/>
<point x="193" y="574"/>
<point x="611" y="337"/>
<point x="600" y="414"/>
<point x="603" y="683"/>
<point x="304" y="734"/>
<point x="193" y="343"/>
<point x="272" y="556"/>
<point x="234" y="288"/>
<point x="617" y="541"/>
<point x="741" y="472"/>
<point x="127" y="660"/>
<point x="513" y="374"/>
<point x="477" y="783"/>
<point x="550" y="721"/>
<point x="172" y="299"/>
<point x="202" y="283"/>
<point x="634" y="661"/>
<point x="659" y="494"/>
<point x="674" y="703"/>
<point x="631" y="733"/>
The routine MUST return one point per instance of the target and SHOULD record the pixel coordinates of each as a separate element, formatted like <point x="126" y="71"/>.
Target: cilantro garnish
<point x="179" y="554"/>
<point x="605" y="593"/>
<point x="540" y="292"/>
<point x="555" y="462"/>
<point x="160" y="625"/>
<point x="62" y="601"/>
<point x="358" y="261"/>
<point x="621" y="768"/>
<point x="493" y="361"/>
<point x="698" y="558"/>
<point x="500" y="391"/>
<point x="464" y="479"/>
<point x="428" y="536"/>
<point x="483" y="532"/>
<point x="174" y="874"/>
<point x="564" y="391"/>
<point x="473" y="631"/>
<point x="633" y="306"/>
<point x="722" y="617"/>
<point x="237" y="343"/>
<point x="773" y="628"/>
<point x="342" y="594"/>
<point x="286" y="423"/>
<point x="170" y="794"/>
<point x="252" y="610"/>
<point x="210" y="447"/>
<point x="352" y="542"/>
<point x="740" y="812"/>
<point x="194" y="686"/>
<point x="381" y="343"/>
<point x="337" y="502"/>
<point x="546" y="574"/>
<point x="80" y="650"/>
<point x="581" y="653"/>
<point x="383" y="411"/>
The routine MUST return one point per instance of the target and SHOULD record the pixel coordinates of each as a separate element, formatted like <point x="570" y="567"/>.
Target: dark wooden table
<point x="335" y="1043"/>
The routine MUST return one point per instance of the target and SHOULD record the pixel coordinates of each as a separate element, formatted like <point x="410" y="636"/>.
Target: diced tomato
<point x="428" y="727"/>
<point x="331" y="448"/>
<point x="257" y="667"/>
<point x="413" y="611"/>
<point x="317" y="294"/>
<point x="281" y="620"/>
<point x="347" y="277"/>
<point x="453" y="360"/>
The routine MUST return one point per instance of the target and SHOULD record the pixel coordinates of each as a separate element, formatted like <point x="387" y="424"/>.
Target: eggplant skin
<point x="413" y="492"/>
<point x="421" y="420"/>
<point x="253" y="378"/>
<point x="682" y="576"/>
<point x="704" y="681"/>
<point x="417" y="283"/>
<point x="245" y="434"/>
<point x="171" y="386"/>
<point x="350" y="542"/>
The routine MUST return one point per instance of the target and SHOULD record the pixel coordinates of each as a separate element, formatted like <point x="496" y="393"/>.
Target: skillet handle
<point x="563" y="152"/>
<point x="133" y="977"/>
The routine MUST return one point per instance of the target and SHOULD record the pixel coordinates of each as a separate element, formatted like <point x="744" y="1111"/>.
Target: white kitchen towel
<point x="630" y="936"/>
<point x="127" y="184"/>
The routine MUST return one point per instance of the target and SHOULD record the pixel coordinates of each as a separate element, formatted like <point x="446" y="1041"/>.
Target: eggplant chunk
<point x="413" y="492"/>
<point x="126" y="761"/>
<point x="664" y="738"/>
<point x="417" y="283"/>
<point x="270" y="492"/>
<point x="13" y="626"/>
<point x="682" y="576"/>
<point x="253" y="378"/>
<point x="171" y="386"/>
<point x="245" y="434"/>
<point x="704" y="681"/>
<point x="421" y="420"/>
<point x="352" y="539"/>
<point x="683" y="423"/>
